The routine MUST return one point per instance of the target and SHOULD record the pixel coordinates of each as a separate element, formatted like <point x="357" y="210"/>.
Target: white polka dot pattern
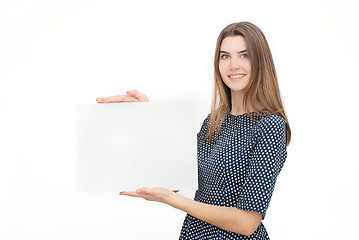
<point x="238" y="170"/>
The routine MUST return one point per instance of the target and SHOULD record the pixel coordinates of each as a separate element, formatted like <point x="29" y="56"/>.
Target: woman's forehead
<point x="233" y="43"/>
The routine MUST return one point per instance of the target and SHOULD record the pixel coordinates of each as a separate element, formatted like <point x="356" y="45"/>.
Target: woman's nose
<point x="235" y="64"/>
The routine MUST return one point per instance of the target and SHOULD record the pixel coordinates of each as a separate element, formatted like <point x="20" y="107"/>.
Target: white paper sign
<point x="124" y="146"/>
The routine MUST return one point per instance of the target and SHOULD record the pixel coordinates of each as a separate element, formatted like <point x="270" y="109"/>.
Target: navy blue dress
<point x="238" y="170"/>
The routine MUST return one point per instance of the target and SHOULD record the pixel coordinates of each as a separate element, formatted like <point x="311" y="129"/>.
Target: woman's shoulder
<point x="204" y="126"/>
<point x="206" y="120"/>
<point x="272" y="119"/>
<point x="271" y="123"/>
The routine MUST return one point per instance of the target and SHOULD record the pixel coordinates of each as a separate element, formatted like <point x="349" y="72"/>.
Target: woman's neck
<point x="237" y="103"/>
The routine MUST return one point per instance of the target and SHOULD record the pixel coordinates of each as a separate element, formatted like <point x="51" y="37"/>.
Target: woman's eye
<point x="245" y="55"/>
<point x="225" y="56"/>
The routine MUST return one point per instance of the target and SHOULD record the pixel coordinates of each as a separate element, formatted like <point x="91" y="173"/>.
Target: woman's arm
<point x="228" y="218"/>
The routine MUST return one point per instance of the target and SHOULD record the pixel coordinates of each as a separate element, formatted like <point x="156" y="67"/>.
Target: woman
<point x="241" y="144"/>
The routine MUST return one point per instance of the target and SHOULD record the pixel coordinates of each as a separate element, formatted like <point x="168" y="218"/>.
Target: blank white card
<point x="124" y="146"/>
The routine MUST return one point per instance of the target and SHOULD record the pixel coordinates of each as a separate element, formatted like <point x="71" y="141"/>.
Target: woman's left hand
<point x="151" y="194"/>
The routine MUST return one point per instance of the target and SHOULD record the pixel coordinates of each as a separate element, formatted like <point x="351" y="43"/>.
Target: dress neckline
<point x="243" y="114"/>
<point x="254" y="114"/>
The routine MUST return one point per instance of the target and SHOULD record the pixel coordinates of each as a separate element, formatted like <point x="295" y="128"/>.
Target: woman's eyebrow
<point x="245" y="50"/>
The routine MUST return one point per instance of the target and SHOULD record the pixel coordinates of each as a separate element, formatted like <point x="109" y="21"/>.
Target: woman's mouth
<point x="236" y="76"/>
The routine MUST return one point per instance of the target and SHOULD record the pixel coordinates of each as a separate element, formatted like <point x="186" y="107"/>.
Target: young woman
<point x="241" y="145"/>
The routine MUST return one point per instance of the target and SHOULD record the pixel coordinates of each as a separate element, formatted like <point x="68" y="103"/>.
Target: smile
<point x="236" y="76"/>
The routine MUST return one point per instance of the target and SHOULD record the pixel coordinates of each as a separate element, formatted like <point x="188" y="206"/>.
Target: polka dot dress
<point x="238" y="170"/>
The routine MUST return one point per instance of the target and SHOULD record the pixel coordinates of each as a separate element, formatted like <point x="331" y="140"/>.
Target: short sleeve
<point x="265" y="162"/>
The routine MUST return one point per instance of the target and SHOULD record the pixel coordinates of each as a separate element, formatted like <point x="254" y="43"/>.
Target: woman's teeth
<point x="237" y="76"/>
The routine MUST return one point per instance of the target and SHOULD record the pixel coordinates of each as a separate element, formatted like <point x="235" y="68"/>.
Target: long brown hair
<point x="262" y="93"/>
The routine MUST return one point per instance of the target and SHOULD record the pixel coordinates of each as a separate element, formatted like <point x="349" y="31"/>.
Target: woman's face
<point x="234" y="63"/>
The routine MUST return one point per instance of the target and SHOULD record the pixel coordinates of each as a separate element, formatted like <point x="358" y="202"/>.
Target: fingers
<point x="144" y="191"/>
<point x="111" y="99"/>
<point x="133" y="96"/>
<point x="151" y="194"/>
<point x="141" y="192"/>
<point x="130" y="193"/>
<point x="138" y="95"/>
<point x="117" y="99"/>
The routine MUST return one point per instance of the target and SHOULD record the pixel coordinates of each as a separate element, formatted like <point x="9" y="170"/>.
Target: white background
<point x="55" y="54"/>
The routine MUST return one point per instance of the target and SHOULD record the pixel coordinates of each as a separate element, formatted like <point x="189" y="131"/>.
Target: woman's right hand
<point x="132" y="96"/>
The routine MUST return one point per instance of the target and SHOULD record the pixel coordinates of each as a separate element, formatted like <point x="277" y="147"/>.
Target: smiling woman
<point x="241" y="144"/>
<point x="242" y="53"/>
